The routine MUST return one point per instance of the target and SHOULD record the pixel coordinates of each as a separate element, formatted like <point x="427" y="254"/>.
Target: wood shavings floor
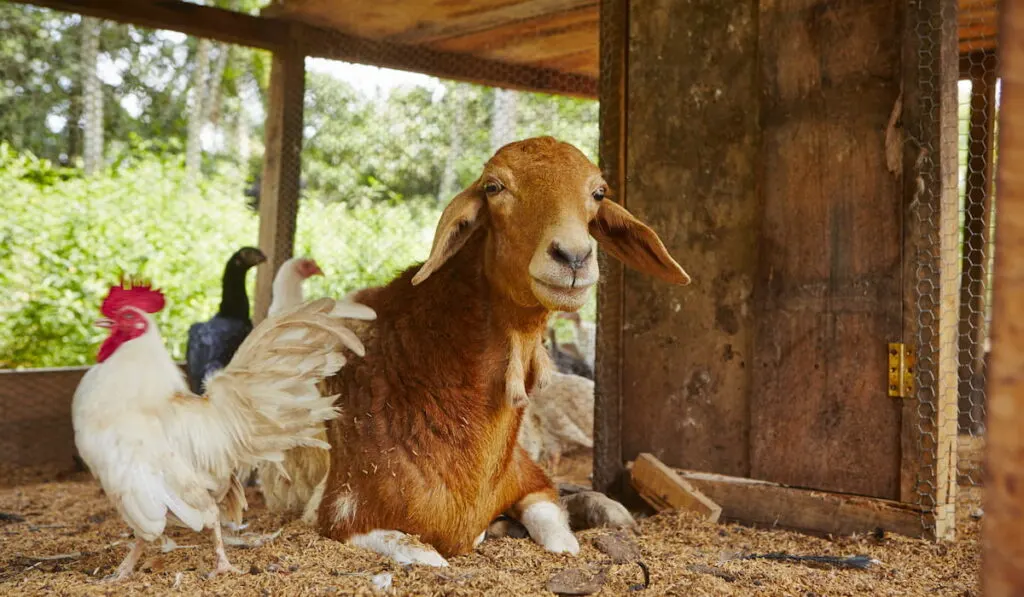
<point x="685" y="556"/>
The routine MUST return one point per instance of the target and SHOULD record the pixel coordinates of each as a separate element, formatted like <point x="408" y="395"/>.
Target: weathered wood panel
<point x="827" y="296"/>
<point x="1003" y="557"/>
<point x="35" y="416"/>
<point x="691" y="159"/>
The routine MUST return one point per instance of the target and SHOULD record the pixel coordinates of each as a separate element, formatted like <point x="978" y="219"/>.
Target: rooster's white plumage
<point x="163" y="453"/>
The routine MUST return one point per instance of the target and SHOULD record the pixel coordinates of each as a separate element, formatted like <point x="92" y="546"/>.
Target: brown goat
<point x="426" y="444"/>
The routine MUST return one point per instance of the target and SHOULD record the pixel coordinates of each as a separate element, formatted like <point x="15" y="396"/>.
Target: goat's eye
<point x="599" y="194"/>
<point x="493" y="187"/>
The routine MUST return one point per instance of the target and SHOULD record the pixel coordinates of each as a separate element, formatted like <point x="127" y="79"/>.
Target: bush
<point x="64" y="240"/>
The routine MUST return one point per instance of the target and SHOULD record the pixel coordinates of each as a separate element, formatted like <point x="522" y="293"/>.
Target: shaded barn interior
<point x="777" y="149"/>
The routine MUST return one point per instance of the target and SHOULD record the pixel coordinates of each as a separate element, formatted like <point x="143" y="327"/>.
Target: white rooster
<point x="161" y="452"/>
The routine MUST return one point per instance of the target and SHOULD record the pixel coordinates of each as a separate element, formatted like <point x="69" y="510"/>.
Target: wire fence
<point x="952" y="228"/>
<point x="138" y="150"/>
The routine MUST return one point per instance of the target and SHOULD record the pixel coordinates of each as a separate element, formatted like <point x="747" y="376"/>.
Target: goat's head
<point x="544" y="203"/>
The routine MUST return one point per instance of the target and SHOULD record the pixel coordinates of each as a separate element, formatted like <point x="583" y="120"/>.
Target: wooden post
<point x="691" y="167"/>
<point x="980" y="69"/>
<point x="931" y="273"/>
<point x="608" y="462"/>
<point x="279" y="188"/>
<point x="1003" y="556"/>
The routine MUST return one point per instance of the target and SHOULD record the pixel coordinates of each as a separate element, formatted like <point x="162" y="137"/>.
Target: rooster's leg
<point x="128" y="564"/>
<point x="223" y="565"/>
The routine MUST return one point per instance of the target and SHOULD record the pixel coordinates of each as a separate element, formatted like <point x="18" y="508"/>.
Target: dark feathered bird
<point x="568" y="359"/>
<point x="212" y="344"/>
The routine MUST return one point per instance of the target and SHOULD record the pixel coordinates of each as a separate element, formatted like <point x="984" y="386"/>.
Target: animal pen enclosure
<point x="824" y="170"/>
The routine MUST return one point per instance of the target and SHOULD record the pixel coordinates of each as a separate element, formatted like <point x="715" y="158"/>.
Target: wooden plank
<point x="762" y="503"/>
<point x="664" y="490"/>
<point x="279" y="190"/>
<point x="981" y="71"/>
<point x="535" y="41"/>
<point x="931" y="280"/>
<point x="692" y="164"/>
<point x="488" y="19"/>
<point x="270" y="33"/>
<point x="35" y="416"/>
<point x="827" y="296"/>
<point x="608" y="459"/>
<point x="1003" y="550"/>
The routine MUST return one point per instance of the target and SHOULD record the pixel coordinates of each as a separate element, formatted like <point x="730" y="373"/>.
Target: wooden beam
<point x="184" y="17"/>
<point x="279" y="187"/>
<point x="1003" y="549"/>
<point x="608" y="462"/>
<point x="981" y="71"/>
<point x="773" y="505"/>
<point x="664" y="490"/>
<point x="270" y="34"/>
<point x="931" y="274"/>
<point x="483" y="20"/>
<point x="333" y="45"/>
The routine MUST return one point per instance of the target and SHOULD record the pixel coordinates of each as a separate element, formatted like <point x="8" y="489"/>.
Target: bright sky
<point x="372" y="81"/>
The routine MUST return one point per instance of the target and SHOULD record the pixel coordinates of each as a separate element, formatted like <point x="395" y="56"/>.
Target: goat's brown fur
<point x="427" y="442"/>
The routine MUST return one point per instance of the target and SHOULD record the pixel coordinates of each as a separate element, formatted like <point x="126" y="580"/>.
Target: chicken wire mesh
<point x="978" y="105"/>
<point x="144" y="151"/>
<point x="951" y="243"/>
<point x="382" y="187"/>
<point x="122" y="149"/>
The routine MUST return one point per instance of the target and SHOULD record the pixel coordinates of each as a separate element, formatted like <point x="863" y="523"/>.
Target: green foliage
<point x="372" y="169"/>
<point x="64" y="240"/>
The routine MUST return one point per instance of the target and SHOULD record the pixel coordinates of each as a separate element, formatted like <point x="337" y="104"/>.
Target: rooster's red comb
<point x="132" y="292"/>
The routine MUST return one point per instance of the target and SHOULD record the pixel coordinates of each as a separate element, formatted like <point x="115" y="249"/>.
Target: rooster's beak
<point x="104" y="323"/>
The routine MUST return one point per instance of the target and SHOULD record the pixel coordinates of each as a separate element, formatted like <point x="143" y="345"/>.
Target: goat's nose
<point x="573" y="259"/>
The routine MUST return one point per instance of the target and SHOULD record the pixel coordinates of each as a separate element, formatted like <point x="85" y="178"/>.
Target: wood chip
<point x="717" y="572"/>
<point x="618" y="547"/>
<point x="63" y="556"/>
<point x="573" y="581"/>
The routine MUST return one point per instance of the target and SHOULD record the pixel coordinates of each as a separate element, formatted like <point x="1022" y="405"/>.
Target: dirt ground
<point x="61" y="536"/>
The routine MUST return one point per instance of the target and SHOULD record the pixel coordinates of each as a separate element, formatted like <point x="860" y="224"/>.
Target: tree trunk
<point x="212" y="106"/>
<point x="193" y="147"/>
<point x="449" y="177"/>
<point x="503" y="118"/>
<point x="92" y="97"/>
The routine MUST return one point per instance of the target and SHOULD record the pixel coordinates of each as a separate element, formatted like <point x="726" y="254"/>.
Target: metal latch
<point x="902" y="361"/>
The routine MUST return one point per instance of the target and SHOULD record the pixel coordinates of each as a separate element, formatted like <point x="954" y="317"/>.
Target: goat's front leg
<point x="403" y="549"/>
<point x="540" y="511"/>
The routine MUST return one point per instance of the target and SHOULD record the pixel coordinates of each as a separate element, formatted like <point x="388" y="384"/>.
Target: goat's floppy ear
<point x="634" y="244"/>
<point x="458" y="222"/>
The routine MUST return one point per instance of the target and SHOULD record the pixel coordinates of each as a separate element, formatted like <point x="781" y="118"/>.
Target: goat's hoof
<point x="562" y="541"/>
<point x="422" y="557"/>
<point x="591" y="509"/>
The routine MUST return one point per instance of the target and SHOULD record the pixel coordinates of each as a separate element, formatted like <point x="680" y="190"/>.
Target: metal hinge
<point x="902" y="360"/>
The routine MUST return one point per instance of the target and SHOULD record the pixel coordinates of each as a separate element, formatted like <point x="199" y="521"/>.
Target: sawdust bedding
<point x="60" y="535"/>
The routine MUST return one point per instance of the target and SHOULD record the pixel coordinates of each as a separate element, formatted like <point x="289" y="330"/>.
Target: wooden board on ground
<point x="663" y="489"/>
<point x="762" y="503"/>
